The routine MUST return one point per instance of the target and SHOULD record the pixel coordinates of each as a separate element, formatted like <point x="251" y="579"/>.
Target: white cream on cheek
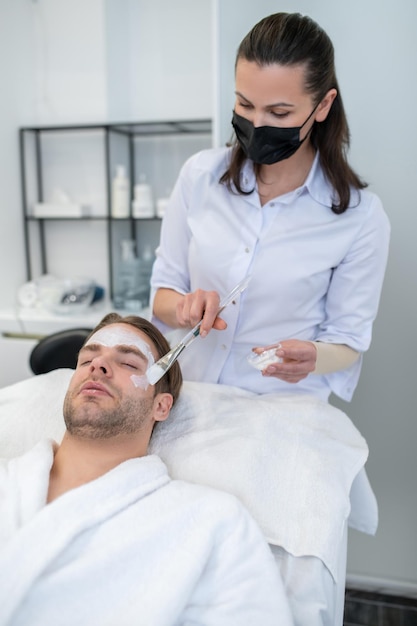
<point x="141" y="382"/>
<point x="113" y="336"/>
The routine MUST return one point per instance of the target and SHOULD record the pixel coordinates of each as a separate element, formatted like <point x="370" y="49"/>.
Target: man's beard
<point x="89" y="420"/>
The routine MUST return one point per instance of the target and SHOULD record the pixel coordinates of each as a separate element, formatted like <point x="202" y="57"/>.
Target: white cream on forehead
<point x="116" y="335"/>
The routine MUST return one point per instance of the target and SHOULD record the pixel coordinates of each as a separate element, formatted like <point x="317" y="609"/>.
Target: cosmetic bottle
<point x="120" y="194"/>
<point x="143" y="205"/>
<point x="128" y="278"/>
<point x="147" y="260"/>
<point x="162" y="203"/>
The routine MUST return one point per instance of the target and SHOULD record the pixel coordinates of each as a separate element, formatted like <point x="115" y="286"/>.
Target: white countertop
<point x="39" y="321"/>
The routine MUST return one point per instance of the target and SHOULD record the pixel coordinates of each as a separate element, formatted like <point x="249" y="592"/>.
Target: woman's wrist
<point x="333" y="357"/>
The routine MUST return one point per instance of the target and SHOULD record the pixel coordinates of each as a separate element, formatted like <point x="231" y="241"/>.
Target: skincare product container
<point x="128" y="278"/>
<point x="133" y="277"/>
<point x="147" y="260"/>
<point x="143" y="205"/>
<point x="120" y="194"/>
<point x="161" y="204"/>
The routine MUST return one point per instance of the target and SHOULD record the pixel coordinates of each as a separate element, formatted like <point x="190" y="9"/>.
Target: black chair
<point x="58" y="350"/>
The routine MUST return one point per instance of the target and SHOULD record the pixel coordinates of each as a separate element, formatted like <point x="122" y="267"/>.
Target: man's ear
<point x="162" y="406"/>
<point x="325" y="105"/>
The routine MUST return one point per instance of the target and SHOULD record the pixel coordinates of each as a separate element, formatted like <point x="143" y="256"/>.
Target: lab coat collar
<point x="316" y="184"/>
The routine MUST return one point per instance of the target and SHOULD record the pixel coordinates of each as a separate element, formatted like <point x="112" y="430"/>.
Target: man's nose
<point x="101" y="364"/>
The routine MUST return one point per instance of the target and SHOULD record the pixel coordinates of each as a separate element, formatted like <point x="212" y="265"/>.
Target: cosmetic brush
<point x="158" y="369"/>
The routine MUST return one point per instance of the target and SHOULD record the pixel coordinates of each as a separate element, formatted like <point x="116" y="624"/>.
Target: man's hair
<point x="170" y="382"/>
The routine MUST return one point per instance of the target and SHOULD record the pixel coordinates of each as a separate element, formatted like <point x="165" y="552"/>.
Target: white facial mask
<point x="117" y="335"/>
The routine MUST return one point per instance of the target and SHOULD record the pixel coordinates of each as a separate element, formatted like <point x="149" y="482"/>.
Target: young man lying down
<point x="94" y="531"/>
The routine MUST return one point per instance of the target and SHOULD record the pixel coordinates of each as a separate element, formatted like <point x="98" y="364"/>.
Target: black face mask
<point x="267" y="144"/>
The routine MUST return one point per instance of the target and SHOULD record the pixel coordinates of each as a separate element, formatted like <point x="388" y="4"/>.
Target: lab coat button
<point x="223" y="346"/>
<point x="247" y="249"/>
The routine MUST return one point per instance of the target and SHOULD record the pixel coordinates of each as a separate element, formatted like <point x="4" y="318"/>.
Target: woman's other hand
<point x="298" y="360"/>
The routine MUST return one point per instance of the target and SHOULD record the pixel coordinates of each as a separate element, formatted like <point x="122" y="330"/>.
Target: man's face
<point x="108" y="394"/>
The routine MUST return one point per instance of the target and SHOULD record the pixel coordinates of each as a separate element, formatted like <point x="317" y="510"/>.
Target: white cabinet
<point x="15" y="352"/>
<point x="15" y="349"/>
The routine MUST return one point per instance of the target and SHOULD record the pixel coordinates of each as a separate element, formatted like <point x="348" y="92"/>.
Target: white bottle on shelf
<point x="120" y="194"/>
<point x="162" y="203"/>
<point x="143" y="205"/>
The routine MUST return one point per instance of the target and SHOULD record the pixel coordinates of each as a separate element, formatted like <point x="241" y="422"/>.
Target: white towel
<point x="31" y="410"/>
<point x="290" y="459"/>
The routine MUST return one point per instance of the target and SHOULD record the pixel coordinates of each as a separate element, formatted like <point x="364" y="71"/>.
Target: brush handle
<point x="193" y="334"/>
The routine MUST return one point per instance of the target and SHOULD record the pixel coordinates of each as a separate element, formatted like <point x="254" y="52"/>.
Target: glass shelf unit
<point x="78" y="162"/>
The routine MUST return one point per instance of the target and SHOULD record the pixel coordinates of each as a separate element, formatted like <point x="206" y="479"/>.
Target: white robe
<point x="130" y="548"/>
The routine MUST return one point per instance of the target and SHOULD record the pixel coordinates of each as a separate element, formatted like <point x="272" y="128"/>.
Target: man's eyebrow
<point x="92" y="347"/>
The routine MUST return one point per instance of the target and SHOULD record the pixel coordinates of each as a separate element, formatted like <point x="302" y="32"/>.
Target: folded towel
<point x="290" y="459"/>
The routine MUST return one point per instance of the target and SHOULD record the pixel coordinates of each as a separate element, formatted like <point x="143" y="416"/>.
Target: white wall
<point x="15" y="74"/>
<point x="53" y="70"/>
<point x="376" y="59"/>
<point x="71" y="61"/>
<point x="159" y="59"/>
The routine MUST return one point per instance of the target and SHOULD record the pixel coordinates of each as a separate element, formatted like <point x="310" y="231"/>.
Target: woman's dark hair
<point x="293" y="39"/>
<point x="171" y="382"/>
